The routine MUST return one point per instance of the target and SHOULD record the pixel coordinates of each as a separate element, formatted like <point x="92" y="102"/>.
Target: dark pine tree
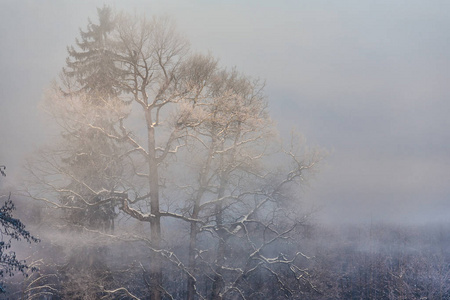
<point x="11" y="229"/>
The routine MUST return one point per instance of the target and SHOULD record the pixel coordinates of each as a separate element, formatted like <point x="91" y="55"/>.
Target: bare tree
<point x="233" y="137"/>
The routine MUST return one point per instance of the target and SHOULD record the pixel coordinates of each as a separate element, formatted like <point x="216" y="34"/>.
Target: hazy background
<point x="368" y="80"/>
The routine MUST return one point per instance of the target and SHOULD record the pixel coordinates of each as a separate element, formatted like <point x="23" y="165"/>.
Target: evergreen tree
<point x="90" y="157"/>
<point x="94" y="65"/>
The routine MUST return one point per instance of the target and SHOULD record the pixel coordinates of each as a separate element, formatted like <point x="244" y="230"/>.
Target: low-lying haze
<point x="367" y="80"/>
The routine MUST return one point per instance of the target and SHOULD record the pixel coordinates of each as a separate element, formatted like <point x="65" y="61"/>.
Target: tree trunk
<point x="192" y="245"/>
<point x="155" y="223"/>
<point x="191" y="289"/>
<point x="218" y="283"/>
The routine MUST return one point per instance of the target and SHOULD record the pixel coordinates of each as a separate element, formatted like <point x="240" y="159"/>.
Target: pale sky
<point x="367" y="80"/>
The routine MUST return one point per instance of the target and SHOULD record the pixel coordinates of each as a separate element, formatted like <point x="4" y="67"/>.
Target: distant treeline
<point x="380" y="261"/>
<point x="341" y="262"/>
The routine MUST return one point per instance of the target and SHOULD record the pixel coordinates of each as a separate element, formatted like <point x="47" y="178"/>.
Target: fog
<point x="365" y="81"/>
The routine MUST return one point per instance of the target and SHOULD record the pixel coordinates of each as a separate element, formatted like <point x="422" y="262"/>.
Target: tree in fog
<point x="84" y="161"/>
<point x="235" y="197"/>
<point x="92" y="63"/>
<point x="178" y="143"/>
